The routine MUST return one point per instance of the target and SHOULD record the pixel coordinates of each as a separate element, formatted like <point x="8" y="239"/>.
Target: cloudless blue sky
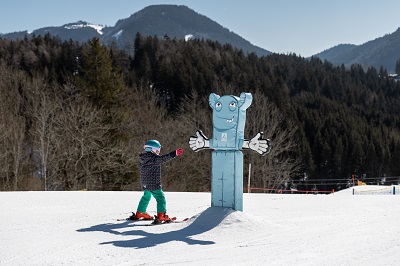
<point x="304" y="27"/>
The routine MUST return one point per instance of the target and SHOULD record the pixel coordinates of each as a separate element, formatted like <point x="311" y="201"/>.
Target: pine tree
<point x="101" y="83"/>
<point x="104" y="87"/>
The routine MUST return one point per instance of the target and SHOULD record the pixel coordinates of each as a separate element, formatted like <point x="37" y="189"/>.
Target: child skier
<point x="150" y="178"/>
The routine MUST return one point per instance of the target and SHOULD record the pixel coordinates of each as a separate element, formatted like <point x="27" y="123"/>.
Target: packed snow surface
<point x="81" y="228"/>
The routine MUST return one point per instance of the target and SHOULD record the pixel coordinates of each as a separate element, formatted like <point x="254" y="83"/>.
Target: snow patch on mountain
<point x="118" y="34"/>
<point x="81" y="24"/>
<point x="188" y="37"/>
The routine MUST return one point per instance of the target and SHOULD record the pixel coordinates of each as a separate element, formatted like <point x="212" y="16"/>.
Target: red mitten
<point x="179" y="152"/>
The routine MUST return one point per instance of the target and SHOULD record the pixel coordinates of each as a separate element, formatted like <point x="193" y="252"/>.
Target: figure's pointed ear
<point x="245" y="100"/>
<point x="212" y="99"/>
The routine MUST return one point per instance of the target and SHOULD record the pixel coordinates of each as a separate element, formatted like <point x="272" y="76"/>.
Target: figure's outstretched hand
<point x="179" y="152"/>
<point x="260" y="145"/>
<point x="199" y="142"/>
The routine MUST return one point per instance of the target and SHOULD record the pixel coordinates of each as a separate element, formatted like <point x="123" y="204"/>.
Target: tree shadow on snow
<point x="207" y="220"/>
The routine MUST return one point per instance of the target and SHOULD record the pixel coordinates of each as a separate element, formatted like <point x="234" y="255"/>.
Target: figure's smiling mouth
<point x="227" y="120"/>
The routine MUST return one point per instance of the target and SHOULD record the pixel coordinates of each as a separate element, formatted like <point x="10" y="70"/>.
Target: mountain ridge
<point x="382" y="51"/>
<point x="175" y="21"/>
<point x="179" y="21"/>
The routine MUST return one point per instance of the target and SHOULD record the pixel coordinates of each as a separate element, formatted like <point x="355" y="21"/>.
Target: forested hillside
<point x="75" y="116"/>
<point x="382" y="51"/>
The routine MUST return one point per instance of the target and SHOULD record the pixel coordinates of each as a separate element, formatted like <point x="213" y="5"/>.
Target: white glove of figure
<point x="258" y="144"/>
<point x="199" y="142"/>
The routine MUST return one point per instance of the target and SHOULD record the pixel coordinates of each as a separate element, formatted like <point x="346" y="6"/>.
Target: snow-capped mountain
<point x="158" y="20"/>
<point x="80" y="31"/>
<point x="83" y="24"/>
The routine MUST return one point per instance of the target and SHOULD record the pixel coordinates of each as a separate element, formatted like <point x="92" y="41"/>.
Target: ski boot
<point x="161" y="218"/>
<point x="141" y="216"/>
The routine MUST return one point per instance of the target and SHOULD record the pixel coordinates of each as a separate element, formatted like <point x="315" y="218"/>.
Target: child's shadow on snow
<point x="206" y="221"/>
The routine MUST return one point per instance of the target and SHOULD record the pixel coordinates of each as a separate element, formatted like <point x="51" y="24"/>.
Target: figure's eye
<point x="232" y="106"/>
<point x="218" y="106"/>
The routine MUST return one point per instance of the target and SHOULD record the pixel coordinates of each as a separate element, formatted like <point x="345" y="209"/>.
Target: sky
<point x="304" y="27"/>
<point x="81" y="228"/>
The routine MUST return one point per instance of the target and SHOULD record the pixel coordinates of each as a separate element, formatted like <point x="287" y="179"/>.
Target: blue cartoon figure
<point x="229" y="117"/>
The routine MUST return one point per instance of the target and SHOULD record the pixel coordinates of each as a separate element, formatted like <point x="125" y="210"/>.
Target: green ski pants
<point x="158" y="195"/>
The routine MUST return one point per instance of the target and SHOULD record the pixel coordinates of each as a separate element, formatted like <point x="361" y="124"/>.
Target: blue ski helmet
<point x="152" y="145"/>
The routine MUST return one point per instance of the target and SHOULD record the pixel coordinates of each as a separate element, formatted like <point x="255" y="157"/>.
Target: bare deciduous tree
<point x="191" y="172"/>
<point x="13" y="123"/>
<point x="74" y="143"/>
<point x="147" y="120"/>
<point x="17" y="148"/>
<point x="82" y="144"/>
<point x="45" y="109"/>
<point x="279" y="165"/>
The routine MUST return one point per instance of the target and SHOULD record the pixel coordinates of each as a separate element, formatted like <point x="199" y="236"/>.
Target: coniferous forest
<point x="76" y="115"/>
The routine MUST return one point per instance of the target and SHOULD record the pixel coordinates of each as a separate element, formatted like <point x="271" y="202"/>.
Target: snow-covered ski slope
<point x="81" y="228"/>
